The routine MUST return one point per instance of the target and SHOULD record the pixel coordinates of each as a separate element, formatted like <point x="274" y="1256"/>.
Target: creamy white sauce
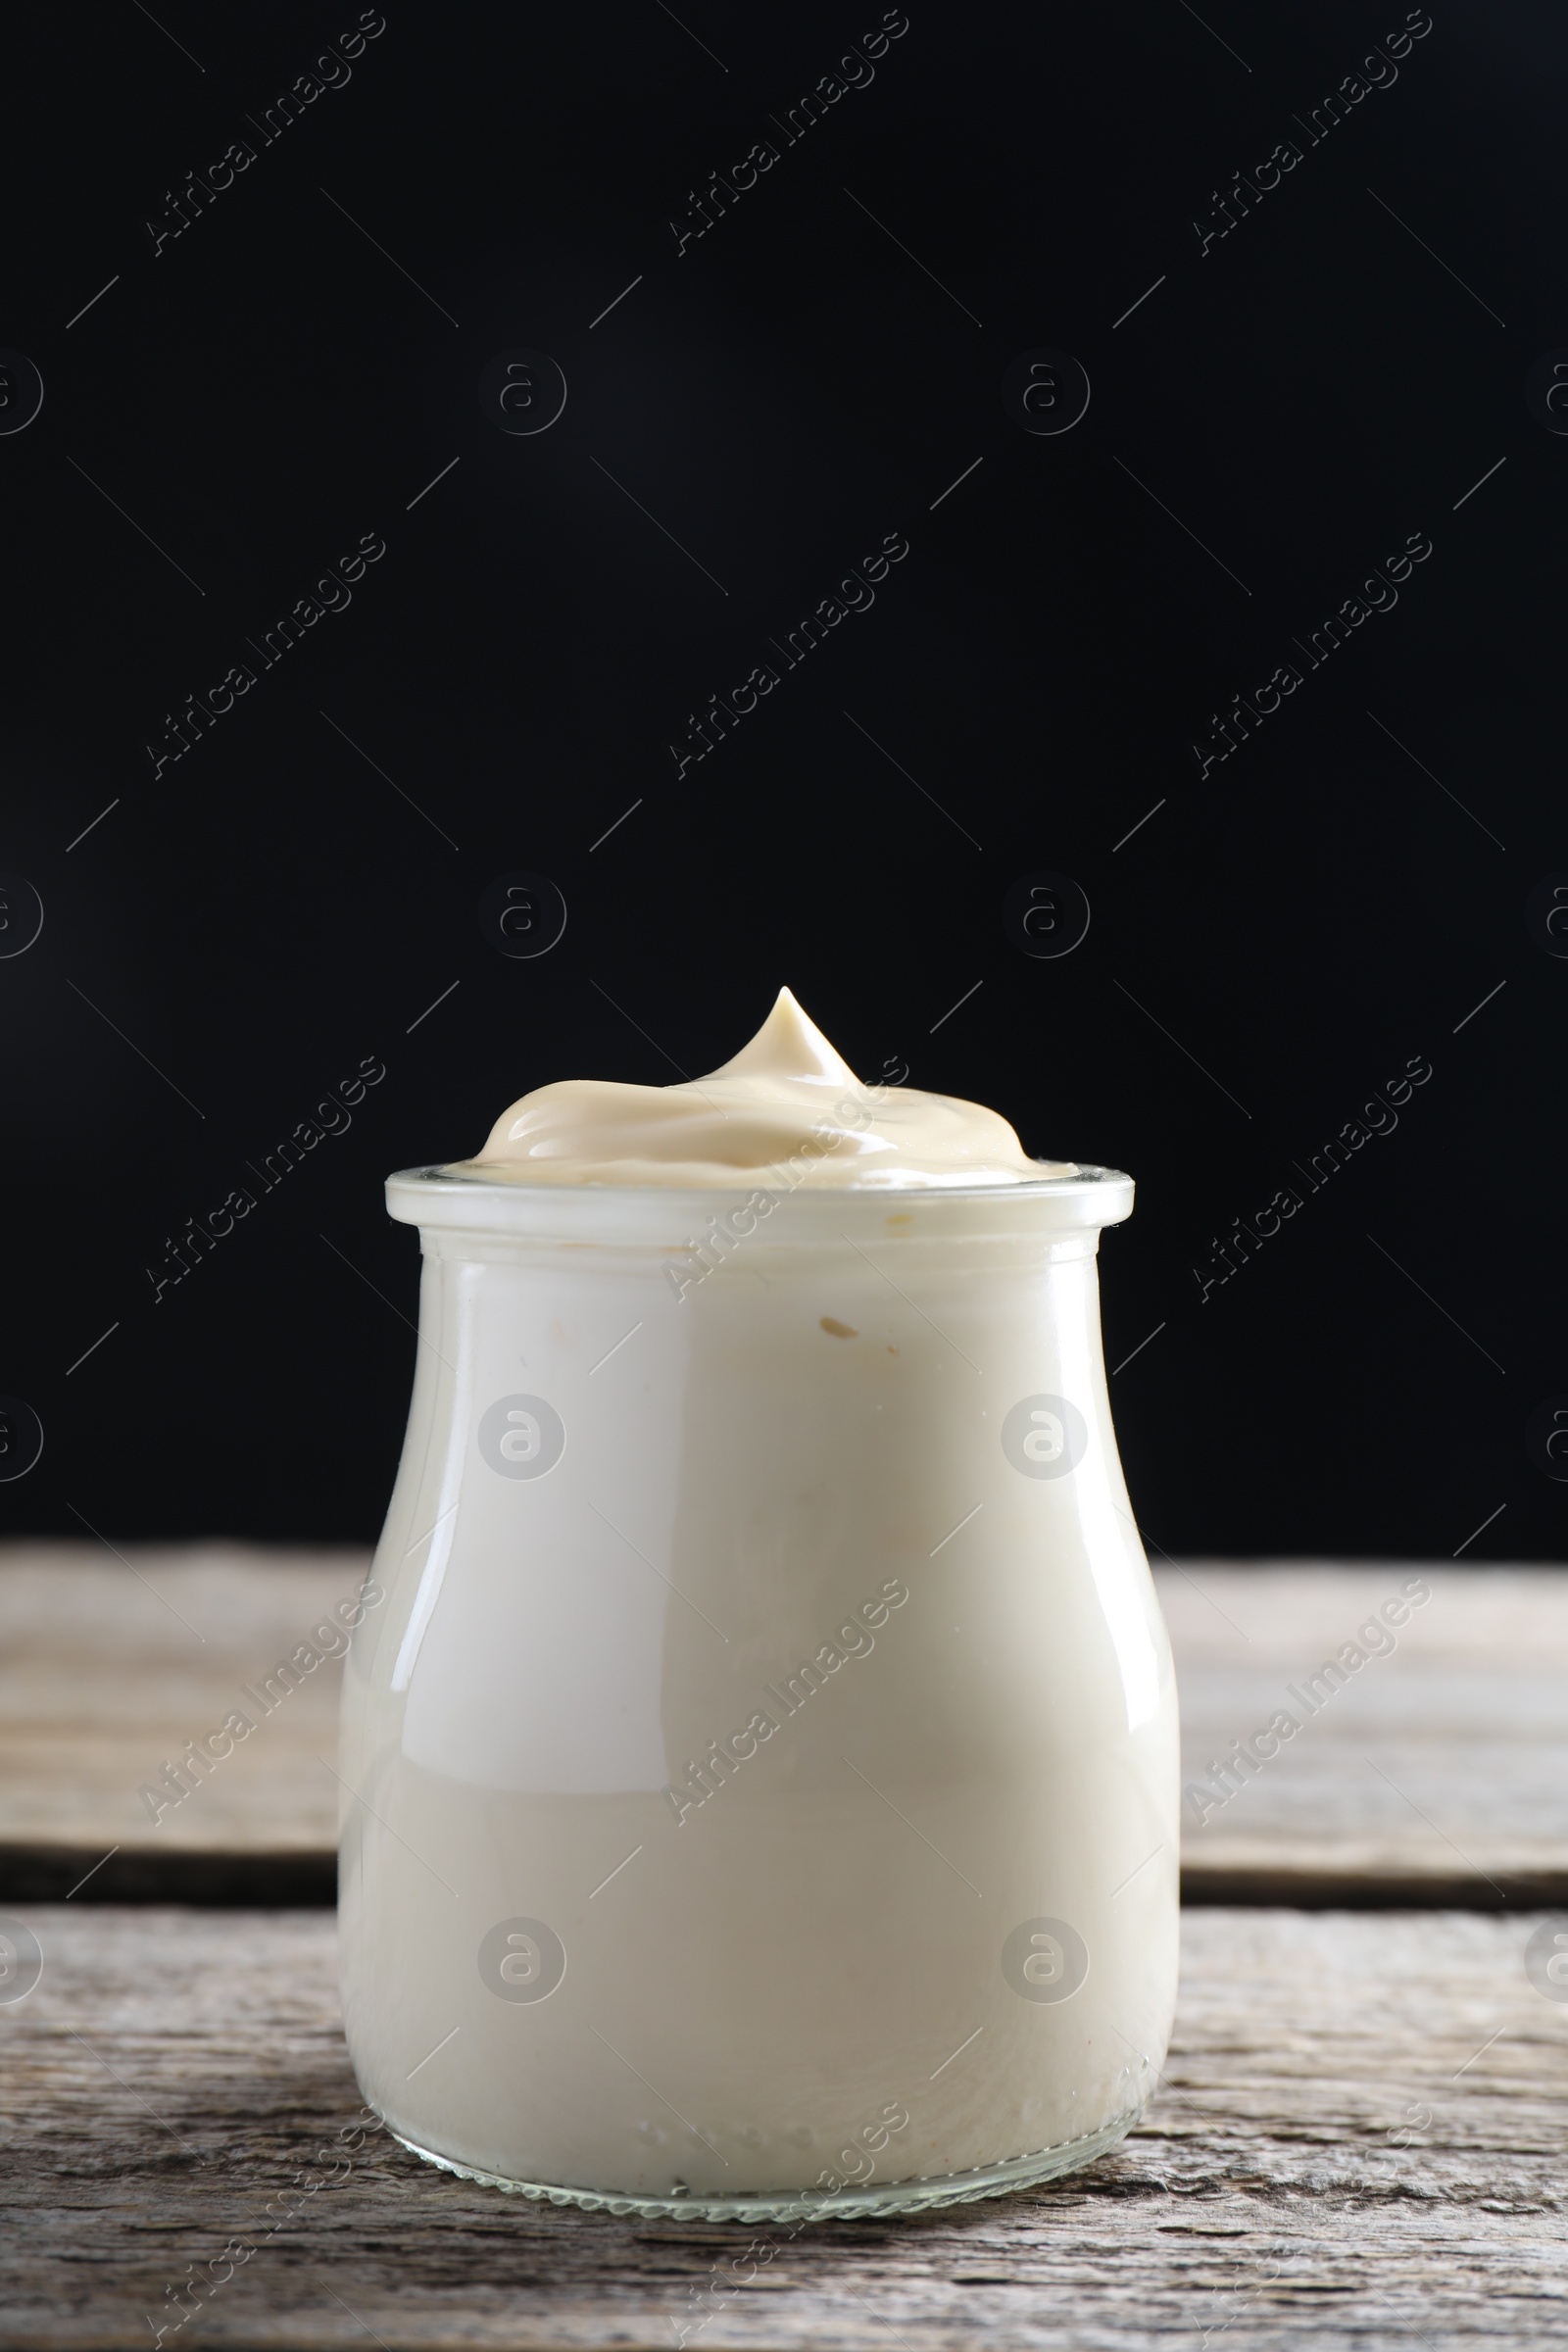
<point x="787" y="1110"/>
<point x="792" y="1725"/>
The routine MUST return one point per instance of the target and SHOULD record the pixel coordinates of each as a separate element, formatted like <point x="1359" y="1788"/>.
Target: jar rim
<point x="452" y="1196"/>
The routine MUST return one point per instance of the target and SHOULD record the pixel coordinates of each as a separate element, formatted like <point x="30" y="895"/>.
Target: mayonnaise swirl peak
<point x="786" y="1111"/>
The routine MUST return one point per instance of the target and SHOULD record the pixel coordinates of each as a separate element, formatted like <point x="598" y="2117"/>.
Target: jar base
<point x="918" y="2195"/>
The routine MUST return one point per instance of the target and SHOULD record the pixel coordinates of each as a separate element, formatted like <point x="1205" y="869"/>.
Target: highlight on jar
<point x="762" y="1776"/>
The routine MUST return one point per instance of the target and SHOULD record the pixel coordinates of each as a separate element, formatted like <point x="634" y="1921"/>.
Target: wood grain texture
<point x="1440" y="1769"/>
<point x="1361" y="2141"/>
<point x="109" y="1666"/>
<point x="1438" y="1772"/>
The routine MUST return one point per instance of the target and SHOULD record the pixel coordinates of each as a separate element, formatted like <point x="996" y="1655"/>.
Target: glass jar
<point x="762" y="1776"/>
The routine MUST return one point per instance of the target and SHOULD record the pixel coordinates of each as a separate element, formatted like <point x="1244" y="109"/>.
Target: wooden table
<point x="1360" y="2139"/>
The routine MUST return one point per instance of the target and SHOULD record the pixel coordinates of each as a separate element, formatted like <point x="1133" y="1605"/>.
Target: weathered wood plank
<point x="1439" y="1768"/>
<point x="1440" y="1772"/>
<point x="108" y="1667"/>
<point x="1362" y="2140"/>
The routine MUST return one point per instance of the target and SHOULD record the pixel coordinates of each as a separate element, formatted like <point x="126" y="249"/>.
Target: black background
<point x="1303" y="918"/>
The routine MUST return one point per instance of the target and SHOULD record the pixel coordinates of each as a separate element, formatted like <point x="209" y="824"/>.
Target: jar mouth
<point x="665" y="1217"/>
